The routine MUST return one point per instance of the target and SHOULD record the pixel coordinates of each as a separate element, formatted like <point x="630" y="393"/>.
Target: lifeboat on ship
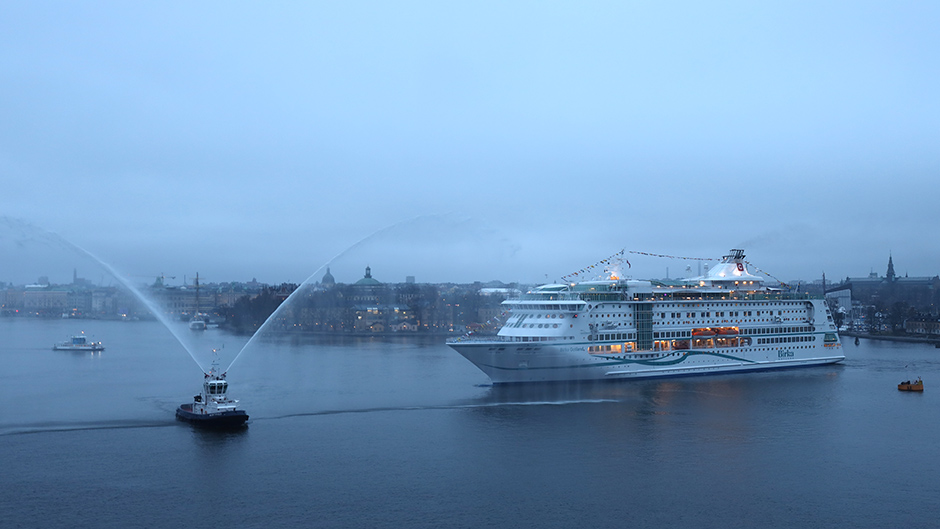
<point x="703" y="333"/>
<point x="728" y="331"/>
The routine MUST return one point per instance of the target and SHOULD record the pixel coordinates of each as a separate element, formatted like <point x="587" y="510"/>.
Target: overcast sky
<point x="470" y="140"/>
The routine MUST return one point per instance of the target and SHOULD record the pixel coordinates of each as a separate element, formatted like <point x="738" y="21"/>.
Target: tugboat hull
<point x="220" y="420"/>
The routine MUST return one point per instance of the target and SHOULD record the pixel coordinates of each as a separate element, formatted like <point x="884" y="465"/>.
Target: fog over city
<point x="461" y="142"/>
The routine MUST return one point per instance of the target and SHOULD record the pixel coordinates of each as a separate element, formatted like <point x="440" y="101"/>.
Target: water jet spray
<point x="28" y="229"/>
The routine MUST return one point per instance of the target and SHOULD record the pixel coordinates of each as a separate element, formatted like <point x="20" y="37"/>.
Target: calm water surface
<point x="377" y="433"/>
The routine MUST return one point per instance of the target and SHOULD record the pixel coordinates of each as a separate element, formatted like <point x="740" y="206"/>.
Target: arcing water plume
<point x="28" y="232"/>
<point x="452" y="226"/>
<point x="277" y="311"/>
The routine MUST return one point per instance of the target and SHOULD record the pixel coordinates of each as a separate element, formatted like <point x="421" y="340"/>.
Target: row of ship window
<point x="571" y="308"/>
<point x="718" y="314"/>
<point x="778" y="330"/>
<point x="722" y="314"/>
<point x="540" y="325"/>
<point x="675" y="345"/>
<point x="575" y="308"/>
<point x="786" y="339"/>
<point x="687" y="305"/>
<point x="616" y="336"/>
<point x="688" y="334"/>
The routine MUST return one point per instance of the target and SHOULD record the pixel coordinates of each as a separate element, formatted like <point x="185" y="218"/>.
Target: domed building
<point x="328" y="280"/>
<point x="368" y="290"/>
<point x="368" y="280"/>
<point x="375" y="313"/>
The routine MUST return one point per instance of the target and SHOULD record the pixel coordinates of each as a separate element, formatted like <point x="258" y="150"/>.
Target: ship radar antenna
<point x="214" y="369"/>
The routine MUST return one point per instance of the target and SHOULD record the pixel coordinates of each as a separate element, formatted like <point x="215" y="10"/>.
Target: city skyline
<point x="349" y="276"/>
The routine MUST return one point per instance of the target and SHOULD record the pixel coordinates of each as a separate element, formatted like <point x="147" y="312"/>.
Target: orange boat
<point x="917" y="385"/>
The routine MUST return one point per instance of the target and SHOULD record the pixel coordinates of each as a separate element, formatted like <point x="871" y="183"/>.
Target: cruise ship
<point x="725" y="321"/>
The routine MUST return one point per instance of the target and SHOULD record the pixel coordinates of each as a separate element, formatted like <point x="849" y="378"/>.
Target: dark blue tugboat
<point x="212" y="408"/>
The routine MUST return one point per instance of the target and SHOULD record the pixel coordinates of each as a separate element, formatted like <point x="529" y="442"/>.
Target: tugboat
<point x="78" y="343"/>
<point x="907" y="385"/>
<point x="212" y="408"/>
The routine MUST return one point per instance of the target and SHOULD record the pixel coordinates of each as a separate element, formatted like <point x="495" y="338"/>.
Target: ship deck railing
<point x="485" y="338"/>
<point x="672" y="295"/>
<point x="554" y="296"/>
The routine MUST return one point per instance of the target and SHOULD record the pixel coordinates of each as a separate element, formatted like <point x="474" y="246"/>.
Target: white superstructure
<point x="78" y="343"/>
<point x="724" y="321"/>
<point x="213" y="408"/>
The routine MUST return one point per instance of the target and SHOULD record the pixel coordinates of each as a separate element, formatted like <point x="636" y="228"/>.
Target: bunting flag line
<point x="759" y="271"/>
<point x="674" y="256"/>
<point x="619" y="257"/>
<point x="615" y="259"/>
<point x="785" y="285"/>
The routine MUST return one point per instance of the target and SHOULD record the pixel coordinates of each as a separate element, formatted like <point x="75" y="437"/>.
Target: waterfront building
<point x="869" y="301"/>
<point x="45" y="300"/>
<point x="922" y="326"/>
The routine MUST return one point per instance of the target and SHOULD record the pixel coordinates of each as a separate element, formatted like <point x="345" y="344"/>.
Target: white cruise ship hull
<point x="723" y="322"/>
<point x="516" y="362"/>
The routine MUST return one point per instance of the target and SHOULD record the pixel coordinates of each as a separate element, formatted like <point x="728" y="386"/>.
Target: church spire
<point x="890" y="275"/>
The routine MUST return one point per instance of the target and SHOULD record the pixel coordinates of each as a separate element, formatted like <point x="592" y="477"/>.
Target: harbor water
<point x="403" y="432"/>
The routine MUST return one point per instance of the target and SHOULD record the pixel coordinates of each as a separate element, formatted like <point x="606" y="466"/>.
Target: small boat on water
<point x="78" y="342"/>
<point x="907" y="385"/>
<point x="197" y="323"/>
<point x="212" y="408"/>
